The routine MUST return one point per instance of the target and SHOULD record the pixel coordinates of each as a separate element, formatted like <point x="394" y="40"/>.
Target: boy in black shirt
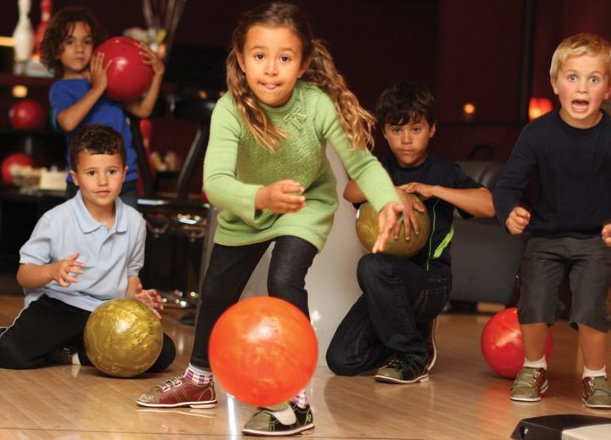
<point x="390" y="326"/>
<point x="569" y="150"/>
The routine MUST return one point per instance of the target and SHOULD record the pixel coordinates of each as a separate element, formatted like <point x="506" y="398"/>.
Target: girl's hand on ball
<point x="98" y="72"/>
<point x="152" y="59"/>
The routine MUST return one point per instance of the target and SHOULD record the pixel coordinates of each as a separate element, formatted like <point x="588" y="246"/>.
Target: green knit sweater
<point x="236" y="167"/>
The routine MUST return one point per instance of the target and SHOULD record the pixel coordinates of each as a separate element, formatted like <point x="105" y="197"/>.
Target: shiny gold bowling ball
<point x="367" y="231"/>
<point x="123" y="338"/>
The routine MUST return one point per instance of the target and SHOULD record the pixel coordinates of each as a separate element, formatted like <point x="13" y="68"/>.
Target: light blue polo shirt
<point x="109" y="256"/>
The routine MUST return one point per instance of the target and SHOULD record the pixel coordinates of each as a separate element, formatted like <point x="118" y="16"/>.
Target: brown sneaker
<point x="529" y="385"/>
<point x="179" y="391"/>
<point x="596" y="392"/>
<point x="403" y="368"/>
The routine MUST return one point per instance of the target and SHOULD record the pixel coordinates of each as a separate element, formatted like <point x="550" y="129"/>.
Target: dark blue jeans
<point x="48" y="324"/>
<point x="392" y="316"/>
<point x="228" y="272"/>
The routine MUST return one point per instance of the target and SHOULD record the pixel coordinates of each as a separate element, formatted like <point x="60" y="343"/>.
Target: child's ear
<point x="240" y="58"/>
<point x="553" y="83"/>
<point x="384" y="128"/>
<point x="74" y="178"/>
<point x="432" y="130"/>
<point x="304" y="67"/>
<point x="125" y="170"/>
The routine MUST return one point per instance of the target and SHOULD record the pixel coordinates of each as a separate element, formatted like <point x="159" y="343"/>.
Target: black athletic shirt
<point x="570" y="172"/>
<point x="435" y="170"/>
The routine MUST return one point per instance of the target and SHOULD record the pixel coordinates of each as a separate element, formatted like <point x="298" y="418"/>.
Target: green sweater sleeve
<point x="361" y="165"/>
<point x="222" y="187"/>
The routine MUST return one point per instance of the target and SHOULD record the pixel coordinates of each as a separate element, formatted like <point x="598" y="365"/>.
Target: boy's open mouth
<point x="580" y="104"/>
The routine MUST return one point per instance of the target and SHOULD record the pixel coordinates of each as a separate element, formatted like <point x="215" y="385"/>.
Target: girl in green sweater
<point x="266" y="168"/>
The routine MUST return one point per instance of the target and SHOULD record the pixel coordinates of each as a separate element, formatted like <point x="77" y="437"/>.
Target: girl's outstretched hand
<point x="387" y="219"/>
<point x="281" y="197"/>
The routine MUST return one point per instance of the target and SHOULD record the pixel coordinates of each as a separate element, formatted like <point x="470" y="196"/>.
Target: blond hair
<point x="356" y="121"/>
<point x="580" y="44"/>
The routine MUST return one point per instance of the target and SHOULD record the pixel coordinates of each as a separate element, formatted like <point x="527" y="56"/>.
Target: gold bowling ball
<point x="367" y="231"/>
<point x="123" y="338"/>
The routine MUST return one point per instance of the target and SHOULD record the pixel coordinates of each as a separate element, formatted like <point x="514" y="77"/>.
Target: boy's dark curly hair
<point x="60" y="27"/>
<point x="403" y="103"/>
<point x="96" y="139"/>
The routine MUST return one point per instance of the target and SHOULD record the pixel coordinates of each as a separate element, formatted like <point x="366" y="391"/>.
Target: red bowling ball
<point x="502" y="346"/>
<point x="14" y="159"/>
<point x="27" y="114"/>
<point x="128" y="76"/>
<point x="263" y="351"/>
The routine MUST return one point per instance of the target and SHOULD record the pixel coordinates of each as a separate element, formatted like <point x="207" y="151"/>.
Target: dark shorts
<point x="546" y="260"/>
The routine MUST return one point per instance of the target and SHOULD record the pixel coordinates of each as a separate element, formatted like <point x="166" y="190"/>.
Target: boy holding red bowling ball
<point x="82" y="253"/>
<point x="391" y="326"/>
<point x="567" y="153"/>
<point x="78" y="96"/>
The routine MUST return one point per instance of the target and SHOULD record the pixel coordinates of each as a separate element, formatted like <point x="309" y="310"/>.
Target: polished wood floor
<point x="464" y="399"/>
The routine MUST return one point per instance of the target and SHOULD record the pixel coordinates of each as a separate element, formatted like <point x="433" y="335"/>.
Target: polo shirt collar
<point x="88" y="224"/>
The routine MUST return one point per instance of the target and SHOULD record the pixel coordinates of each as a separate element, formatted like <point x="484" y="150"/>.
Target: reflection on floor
<point x="464" y="399"/>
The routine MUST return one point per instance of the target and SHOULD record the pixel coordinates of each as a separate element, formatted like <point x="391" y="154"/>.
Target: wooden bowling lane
<point x="463" y="399"/>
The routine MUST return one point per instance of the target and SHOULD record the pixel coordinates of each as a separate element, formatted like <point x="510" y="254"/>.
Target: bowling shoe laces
<point x="280" y="420"/>
<point x="529" y="384"/>
<point x="179" y="391"/>
<point x="403" y="368"/>
<point x="596" y="392"/>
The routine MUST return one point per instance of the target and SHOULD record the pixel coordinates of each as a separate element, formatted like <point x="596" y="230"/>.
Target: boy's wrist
<point x="49" y="275"/>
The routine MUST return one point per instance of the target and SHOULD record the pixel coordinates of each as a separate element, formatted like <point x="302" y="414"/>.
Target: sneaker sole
<point x="299" y="430"/>
<point x="530" y="399"/>
<point x="526" y="399"/>
<point x="386" y="379"/>
<point x="197" y="405"/>
<point x="607" y="407"/>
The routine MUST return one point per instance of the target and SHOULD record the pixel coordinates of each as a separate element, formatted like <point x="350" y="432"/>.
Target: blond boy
<point x="567" y="155"/>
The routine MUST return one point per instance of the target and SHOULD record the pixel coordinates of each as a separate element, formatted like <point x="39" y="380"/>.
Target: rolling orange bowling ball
<point x="263" y="351"/>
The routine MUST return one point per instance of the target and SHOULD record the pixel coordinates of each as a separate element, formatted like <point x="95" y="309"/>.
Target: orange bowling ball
<point x="502" y="346"/>
<point x="263" y="351"/>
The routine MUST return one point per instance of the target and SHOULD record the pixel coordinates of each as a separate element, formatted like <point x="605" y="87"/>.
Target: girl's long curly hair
<point x="356" y="121"/>
<point x="60" y="26"/>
